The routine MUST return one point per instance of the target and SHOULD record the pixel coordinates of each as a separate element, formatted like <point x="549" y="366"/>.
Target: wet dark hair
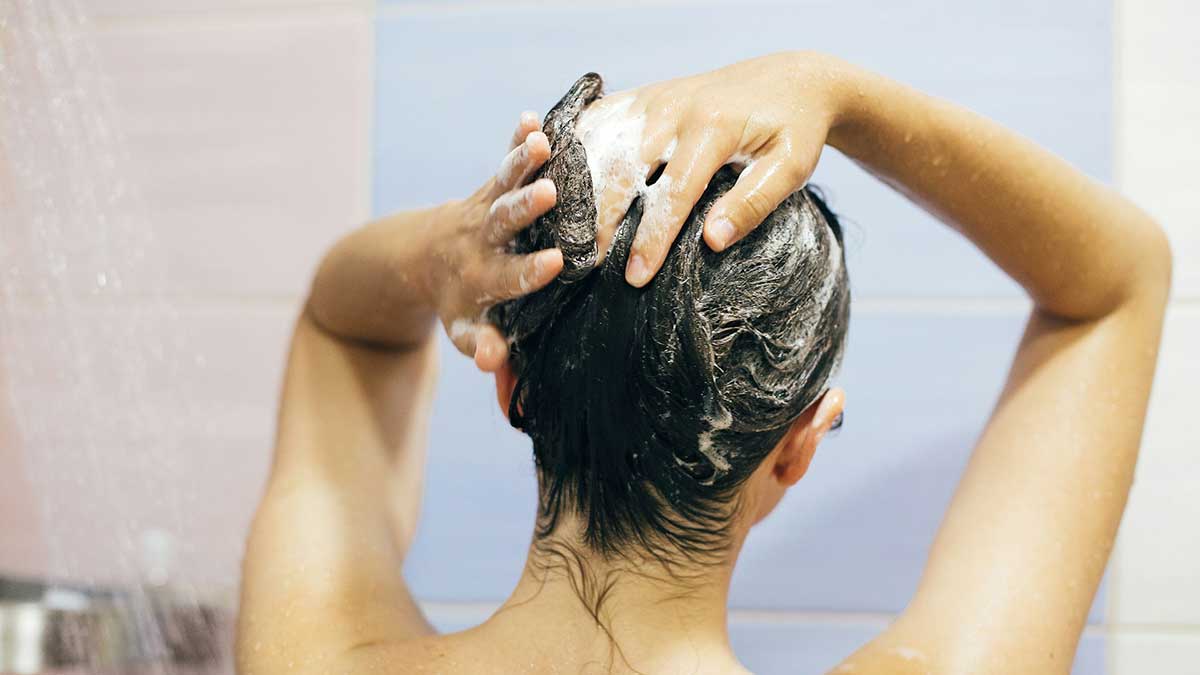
<point x="648" y="408"/>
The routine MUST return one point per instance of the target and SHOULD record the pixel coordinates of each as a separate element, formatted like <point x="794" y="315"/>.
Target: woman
<point x="631" y="560"/>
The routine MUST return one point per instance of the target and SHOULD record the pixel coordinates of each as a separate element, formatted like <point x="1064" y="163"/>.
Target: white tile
<point x="1158" y="552"/>
<point x="1157" y="38"/>
<point x="1147" y="653"/>
<point x="1158" y="102"/>
<point x="249" y="140"/>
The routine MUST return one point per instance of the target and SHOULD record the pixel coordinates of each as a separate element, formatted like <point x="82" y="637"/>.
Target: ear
<point x="797" y="448"/>
<point x="506" y="382"/>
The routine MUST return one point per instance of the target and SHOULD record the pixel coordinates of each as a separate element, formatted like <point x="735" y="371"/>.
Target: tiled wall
<point x="929" y="343"/>
<point x="247" y="132"/>
<point x="1155" y="596"/>
<point x="251" y="126"/>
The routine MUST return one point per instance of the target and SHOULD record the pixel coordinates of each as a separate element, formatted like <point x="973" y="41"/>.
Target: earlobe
<point x="800" y="444"/>
<point x="506" y="382"/>
<point x="796" y="453"/>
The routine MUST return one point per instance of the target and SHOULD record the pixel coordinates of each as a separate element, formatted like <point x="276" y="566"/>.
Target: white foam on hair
<point x="722" y="420"/>
<point x="612" y="139"/>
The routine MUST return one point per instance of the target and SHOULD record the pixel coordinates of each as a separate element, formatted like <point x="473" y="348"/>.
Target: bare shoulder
<point x="900" y="662"/>
<point x="891" y="653"/>
<point x="450" y="653"/>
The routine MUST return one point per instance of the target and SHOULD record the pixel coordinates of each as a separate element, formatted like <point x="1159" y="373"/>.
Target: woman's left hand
<point x="770" y="115"/>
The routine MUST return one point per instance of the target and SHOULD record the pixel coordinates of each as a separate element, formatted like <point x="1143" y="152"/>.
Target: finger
<point x="491" y="349"/>
<point x="763" y="185"/>
<point x="521" y="163"/>
<point x="671" y="199"/>
<point x="462" y="334"/>
<point x="527" y="124"/>
<point x="519" y="275"/>
<point x="514" y="211"/>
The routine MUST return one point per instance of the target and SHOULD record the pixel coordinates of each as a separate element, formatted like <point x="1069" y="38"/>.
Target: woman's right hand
<point x="471" y="268"/>
<point x="382" y="283"/>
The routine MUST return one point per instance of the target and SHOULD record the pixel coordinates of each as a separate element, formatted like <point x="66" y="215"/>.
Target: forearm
<point x="373" y="285"/>
<point x="1078" y="248"/>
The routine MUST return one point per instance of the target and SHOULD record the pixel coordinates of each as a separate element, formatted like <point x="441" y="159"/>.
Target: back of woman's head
<point x="650" y="407"/>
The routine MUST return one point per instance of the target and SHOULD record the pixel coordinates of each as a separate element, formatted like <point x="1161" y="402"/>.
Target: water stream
<point x="90" y="347"/>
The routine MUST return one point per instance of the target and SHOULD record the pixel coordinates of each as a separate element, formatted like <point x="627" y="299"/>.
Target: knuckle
<point x="512" y="279"/>
<point x="794" y="173"/>
<point x="756" y="205"/>
<point x="493" y="212"/>
<point x="473" y="277"/>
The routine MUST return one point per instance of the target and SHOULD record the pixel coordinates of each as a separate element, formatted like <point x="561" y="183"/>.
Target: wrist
<point x="427" y="253"/>
<point x="854" y="91"/>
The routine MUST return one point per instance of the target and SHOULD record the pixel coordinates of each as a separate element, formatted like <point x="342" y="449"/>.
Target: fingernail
<point x="721" y="233"/>
<point x="544" y="260"/>
<point x="637" y="271"/>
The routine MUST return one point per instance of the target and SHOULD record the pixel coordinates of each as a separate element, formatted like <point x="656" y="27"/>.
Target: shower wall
<point x="259" y="130"/>
<point x="246" y="130"/>
<point x="934" y="323"/>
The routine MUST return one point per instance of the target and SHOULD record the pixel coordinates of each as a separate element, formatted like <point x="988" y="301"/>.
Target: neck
<point x="629" y="615"/>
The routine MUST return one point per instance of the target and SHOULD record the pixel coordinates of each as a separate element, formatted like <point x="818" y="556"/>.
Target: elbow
<point x="1155" y="264"/>
<point x="1145" y="286"/>
<point x="1134" y="272"/>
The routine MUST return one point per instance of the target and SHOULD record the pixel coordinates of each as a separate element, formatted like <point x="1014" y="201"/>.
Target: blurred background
<point x="172" y="170"/>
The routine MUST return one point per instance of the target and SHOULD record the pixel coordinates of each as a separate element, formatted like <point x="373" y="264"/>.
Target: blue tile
<point x="453" y="619"/>
<point x="1092" y="656"/>
<point x="919" y="390"/>
<point x="857" y="527"/>
<point x="451" y="82"/>
<point x="480" y="496"/>
<point x="854" y="534"/>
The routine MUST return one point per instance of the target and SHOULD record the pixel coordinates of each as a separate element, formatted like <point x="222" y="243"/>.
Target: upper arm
<point x="322" y="568"/>
<point x="1024" y="544"/>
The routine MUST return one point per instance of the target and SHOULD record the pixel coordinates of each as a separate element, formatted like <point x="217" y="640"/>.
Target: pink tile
<point x="136" y="419"/>
<point x="248" y="139"/>
<point x="129" y="8"/>
<point x="22" y="548"/>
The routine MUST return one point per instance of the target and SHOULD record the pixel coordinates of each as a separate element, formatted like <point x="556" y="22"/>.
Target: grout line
<point x="826" y="617"/>
<point x="152" y="18"/>
<point x="149" y="302"/>
<point x="1190" y="630"/>
<point x="401" y="9"/>
<point x="940" y="305"/>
